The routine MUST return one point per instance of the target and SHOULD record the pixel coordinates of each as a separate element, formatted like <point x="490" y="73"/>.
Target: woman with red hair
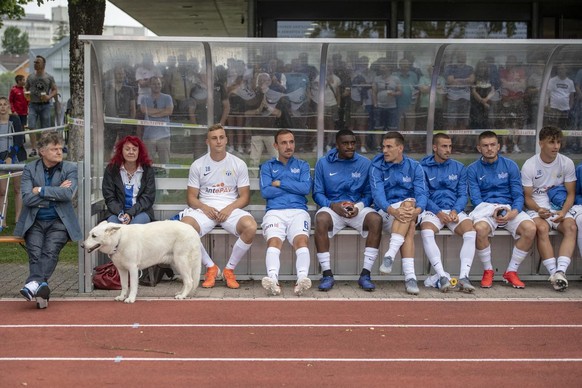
<point x="129" y="186"/>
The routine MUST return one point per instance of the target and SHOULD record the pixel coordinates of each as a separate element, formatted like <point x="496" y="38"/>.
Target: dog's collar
<point x="114" y="251"/>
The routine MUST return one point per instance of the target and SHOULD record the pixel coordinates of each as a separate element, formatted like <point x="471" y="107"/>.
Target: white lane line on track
<point x="311" y="299"/>
<point x="311" y="359"/>
<point x="298" y="326"/>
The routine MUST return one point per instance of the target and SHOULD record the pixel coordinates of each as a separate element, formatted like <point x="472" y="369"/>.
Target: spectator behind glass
<point x="385" y="89"/>
<point x="561" y="92"/>
<point x="513" y="83"/>
<point x="406" y="101"/>
<point x="481" y="92"/>
<point x="459" y="77"/>
<point x="118" y="101"/>
<point x="129" y="186"/>
<point x="424" y="85"/>
<point x="361" y="102"/>
<point x="157" y="107"/>
<point x="261" y="114"/>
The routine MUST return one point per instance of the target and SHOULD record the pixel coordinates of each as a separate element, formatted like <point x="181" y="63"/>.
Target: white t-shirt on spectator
<point x="560" y="90"/>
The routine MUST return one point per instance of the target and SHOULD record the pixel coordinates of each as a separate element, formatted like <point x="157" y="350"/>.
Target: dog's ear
<point x="103" y="222"/>
<point x="112" y="228"/>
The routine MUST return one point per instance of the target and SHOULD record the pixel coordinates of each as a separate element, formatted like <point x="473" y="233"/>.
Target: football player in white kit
<point x="218" y="190"/>
<point x="285" y="181"/>
<point x="539" y="174"/>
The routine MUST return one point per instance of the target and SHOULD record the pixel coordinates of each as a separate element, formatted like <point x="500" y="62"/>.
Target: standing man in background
<point x="42" y="88"/>
<point x="19" y="106"/>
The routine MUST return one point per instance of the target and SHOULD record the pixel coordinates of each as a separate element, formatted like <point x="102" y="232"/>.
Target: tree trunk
<point x="86" y="17"/>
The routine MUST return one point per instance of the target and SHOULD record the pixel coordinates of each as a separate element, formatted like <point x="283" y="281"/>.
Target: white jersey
<point x="218" y="182"/>
<point x="543" y="176"/>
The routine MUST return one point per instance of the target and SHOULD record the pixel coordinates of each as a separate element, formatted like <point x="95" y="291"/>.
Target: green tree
<point x="12" y="9"/>
<point x="6" y="83"/>
<point x="14" y="41"/>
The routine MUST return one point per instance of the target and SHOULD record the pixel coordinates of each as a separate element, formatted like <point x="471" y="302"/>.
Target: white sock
<point x="563" y="263"/>
<point x="239" y="249"/>
<point x="396" y="241"/>
<point x="484" y="256"/>
<point x="302" y="263"/>
<point x="370" y="256"/>
<point x="32" y="286"/>
<point x="467" y="253"/>
<point x="517" y="257"/>
<point x="273" y="262"/>
<point x="324" y="261"/>
<point x="408" y="268"/>
<point x="550" y="265"/>
<point x="432" y="251"/>
<point x="206" y="260"/>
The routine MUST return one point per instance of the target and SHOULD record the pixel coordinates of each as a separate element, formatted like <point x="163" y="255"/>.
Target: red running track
<point x="291" y="343"/>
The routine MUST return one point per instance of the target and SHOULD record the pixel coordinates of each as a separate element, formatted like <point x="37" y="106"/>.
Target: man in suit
<point x="48" y="219"/>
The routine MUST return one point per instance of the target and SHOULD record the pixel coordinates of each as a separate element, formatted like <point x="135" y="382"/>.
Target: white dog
<point x="139" y="246"/>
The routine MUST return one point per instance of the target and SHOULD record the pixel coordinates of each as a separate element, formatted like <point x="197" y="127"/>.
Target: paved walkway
<point x="64" y="284"/>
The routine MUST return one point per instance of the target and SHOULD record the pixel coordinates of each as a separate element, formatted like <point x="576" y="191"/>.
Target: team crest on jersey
<point x="406" y="179"/>
<point x="503" y="175"/>
<point x="228" y="173"/>
<point x="453" y="177"/>
<point x="356" y="175"/>
<point x="295" y="170"/>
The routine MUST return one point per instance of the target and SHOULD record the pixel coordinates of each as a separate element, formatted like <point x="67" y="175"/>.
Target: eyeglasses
<point x="156" y="104"/>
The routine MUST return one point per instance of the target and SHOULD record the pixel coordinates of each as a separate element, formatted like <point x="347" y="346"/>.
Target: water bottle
<point x="433" y="281"/>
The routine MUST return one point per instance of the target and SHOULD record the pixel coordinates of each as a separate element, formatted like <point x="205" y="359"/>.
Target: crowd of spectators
<point x="392" y="92"/>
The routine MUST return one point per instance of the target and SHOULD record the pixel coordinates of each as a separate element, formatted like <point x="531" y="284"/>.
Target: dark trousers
<point x="44" y="241"/>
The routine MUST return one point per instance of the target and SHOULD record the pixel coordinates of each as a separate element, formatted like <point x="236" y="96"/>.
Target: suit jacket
<point x="33" y="176"/>
<point x="114" y="192"/>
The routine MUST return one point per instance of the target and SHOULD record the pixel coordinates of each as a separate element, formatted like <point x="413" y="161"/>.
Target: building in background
<point x="42" y="31"/>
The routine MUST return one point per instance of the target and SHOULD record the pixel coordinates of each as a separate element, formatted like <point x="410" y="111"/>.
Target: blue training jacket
<point x="578" y="200"/>
<point x="295" y="179"/>
<point x="497" y="182"/>
<point x="446" y="184"/>
<point x="394" y="182"/>
<point x="339" y="180"/>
